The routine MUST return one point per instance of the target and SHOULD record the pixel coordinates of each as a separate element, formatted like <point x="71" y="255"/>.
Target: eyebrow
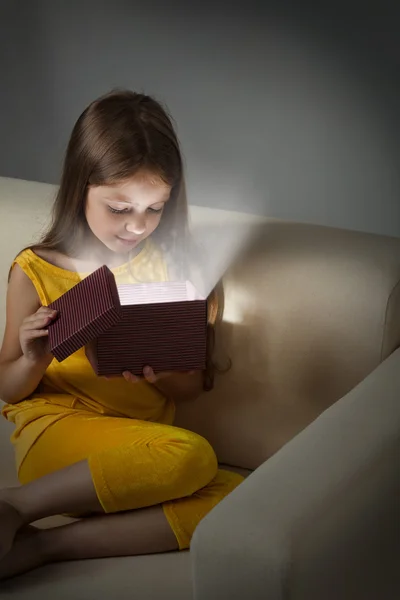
<point x="120" y="201"/>
<point x="121" y="198"/>
<point x="116" y="199"/>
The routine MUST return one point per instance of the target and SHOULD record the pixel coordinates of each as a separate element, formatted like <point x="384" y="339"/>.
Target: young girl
<point x="85" y="445"/>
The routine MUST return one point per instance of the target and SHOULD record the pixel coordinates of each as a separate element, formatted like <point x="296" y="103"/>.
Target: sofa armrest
<point x="320" y="519"/>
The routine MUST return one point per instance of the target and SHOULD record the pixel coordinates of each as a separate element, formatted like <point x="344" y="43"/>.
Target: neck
<point x="96" y="255"/>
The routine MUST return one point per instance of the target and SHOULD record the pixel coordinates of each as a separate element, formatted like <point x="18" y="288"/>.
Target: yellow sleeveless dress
<point x="125" y="431"/>
<point x="73" y="384"/>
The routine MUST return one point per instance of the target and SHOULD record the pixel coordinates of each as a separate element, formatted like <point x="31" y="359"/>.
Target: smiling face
<point x="122" y="215"/>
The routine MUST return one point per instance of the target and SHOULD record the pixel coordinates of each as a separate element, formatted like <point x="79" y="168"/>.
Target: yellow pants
<point x="135" y="464"/>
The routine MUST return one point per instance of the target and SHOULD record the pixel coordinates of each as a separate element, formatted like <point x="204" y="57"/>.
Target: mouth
<point x="127" y="242"/>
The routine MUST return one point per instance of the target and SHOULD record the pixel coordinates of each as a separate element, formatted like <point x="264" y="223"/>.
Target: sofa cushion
<point x="155" y="577"/>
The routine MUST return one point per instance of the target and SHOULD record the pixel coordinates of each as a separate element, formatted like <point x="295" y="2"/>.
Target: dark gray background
<point x="283" y="109"/>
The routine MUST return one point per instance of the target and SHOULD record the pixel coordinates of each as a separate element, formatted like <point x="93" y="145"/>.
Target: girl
<point x="88" y="446"/>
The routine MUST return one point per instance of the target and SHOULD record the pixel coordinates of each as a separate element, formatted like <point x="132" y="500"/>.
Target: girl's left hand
<point x="149" y="375"/>
<point x="179" y="386"/>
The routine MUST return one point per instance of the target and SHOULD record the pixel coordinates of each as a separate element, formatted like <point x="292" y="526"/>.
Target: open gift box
<point x="126" y="327"/>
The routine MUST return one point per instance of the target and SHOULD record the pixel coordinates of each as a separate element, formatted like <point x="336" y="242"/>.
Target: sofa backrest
<point x="310" y="311"/>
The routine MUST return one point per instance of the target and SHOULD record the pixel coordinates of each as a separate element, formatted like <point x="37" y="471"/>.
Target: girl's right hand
<point x="33" y="335"/>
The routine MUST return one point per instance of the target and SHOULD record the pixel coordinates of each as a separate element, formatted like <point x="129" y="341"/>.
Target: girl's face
<point x="122" y="215"/>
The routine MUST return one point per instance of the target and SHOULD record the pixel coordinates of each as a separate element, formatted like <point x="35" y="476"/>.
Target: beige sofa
<point x="311" y="405"/>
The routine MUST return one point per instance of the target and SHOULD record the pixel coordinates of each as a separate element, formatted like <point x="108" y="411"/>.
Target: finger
<point x="46" y="310"/>
<point x="36" y="333"/>
<point x="37" y="317"/>
<point x="37" y="321"/>
<point x="149" y="375"/>
<point x="42" y="313"/>
<point x="130" y="377"/>
<point x="153" y="377"/>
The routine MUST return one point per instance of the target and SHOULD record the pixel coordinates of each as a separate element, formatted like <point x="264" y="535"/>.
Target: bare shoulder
<point x="20" y="286"/>
<point x="21" y="294"/>
<point x="62" y="261"/>
<point x="54" y="258"/>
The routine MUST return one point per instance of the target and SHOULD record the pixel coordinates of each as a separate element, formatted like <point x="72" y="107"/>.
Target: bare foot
<point x="26" y="553"/>
<point x="10" y="523"/>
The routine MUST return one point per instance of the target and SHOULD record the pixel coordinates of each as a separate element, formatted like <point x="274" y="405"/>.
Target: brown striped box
<point x="162" y="325"/>
<point x="89" y="308"/>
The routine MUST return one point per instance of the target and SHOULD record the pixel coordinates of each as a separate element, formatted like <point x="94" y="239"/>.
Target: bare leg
<point x="24" y="555"/>
<point x="69" y="490"/>
<point x="143" y="531"/>
<point x="10" y="522"/>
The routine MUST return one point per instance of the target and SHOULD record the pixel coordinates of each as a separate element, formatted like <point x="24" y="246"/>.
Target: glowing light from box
<point x="159" y="292"/>
<point x="220" y="237"/>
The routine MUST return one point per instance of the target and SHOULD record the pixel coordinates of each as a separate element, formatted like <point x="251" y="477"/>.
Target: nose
<point x="136" y="224"/>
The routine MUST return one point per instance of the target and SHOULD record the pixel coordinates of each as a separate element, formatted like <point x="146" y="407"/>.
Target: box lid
<point x="84" y="312"/>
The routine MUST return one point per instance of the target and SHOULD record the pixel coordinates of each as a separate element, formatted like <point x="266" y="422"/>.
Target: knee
<point x="196" y="463"/>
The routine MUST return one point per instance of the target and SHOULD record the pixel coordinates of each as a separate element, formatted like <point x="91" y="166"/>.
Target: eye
<point x="115" y="211"/>
<point x="155" y="210"/>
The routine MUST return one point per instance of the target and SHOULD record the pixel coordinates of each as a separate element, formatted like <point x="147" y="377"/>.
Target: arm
<point x="319" y="518"/>
<point x="19" y="375"/>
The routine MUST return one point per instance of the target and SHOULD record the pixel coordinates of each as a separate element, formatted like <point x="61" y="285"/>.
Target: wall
<point x="281" y="111"/>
